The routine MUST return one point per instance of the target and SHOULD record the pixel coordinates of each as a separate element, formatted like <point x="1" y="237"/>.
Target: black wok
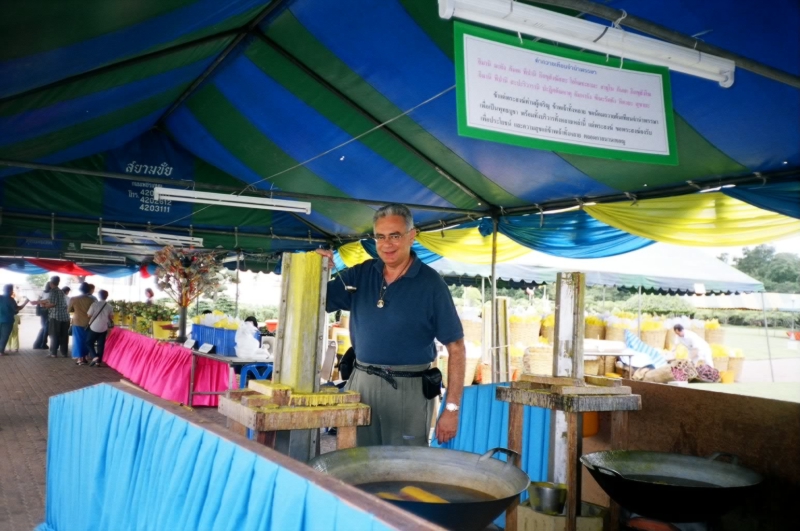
<point x="373" y="464"/>
<point x="671" y="487"/>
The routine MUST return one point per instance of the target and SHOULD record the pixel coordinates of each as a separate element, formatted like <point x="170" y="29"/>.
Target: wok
<point x="671" y="487"/>
<point x="374" y="464"/>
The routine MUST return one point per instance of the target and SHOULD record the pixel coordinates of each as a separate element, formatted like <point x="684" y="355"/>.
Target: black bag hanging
<point x="432" y="383"/>
<point x="346" y="364"/>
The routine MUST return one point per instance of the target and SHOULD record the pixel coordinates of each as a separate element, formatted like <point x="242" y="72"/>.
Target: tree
<point x="37" y="281"/>
<point x="779" y="272"/>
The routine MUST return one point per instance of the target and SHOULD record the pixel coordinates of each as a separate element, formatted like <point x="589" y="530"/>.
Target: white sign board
<point x="527" y="97"/>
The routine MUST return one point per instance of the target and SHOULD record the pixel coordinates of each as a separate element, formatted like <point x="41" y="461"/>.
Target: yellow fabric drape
<point x="467" y="245"/>
<point x="353" y="253"/>
<point x="710" y="219"/>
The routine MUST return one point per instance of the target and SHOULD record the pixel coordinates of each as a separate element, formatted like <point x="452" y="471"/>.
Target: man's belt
<point x="388" y="374"/>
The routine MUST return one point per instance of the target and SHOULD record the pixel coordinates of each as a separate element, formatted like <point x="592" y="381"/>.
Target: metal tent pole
<point x="639" y="320"/>
<point x="495" y="320"/>
<point x="236" y="308"/>
<point x="766" y="334"/>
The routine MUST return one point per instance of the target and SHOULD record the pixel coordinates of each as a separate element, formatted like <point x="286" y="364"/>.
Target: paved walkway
<point x="27" y="381"/>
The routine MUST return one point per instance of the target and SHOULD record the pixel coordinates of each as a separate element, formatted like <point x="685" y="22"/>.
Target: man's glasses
<point x="394" y="237"/>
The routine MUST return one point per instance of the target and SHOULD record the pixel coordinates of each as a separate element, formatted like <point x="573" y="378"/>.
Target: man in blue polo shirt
<point x="397" y="309"/>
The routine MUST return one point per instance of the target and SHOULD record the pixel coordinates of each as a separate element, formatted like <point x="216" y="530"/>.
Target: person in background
<point x="79" y="307"/>
<point x="699" y="350"/>
<point x="100" y="315"/>
<point x="40" y="343"/>
<point x="58" y="327"/>
<point x="13" y="340"/>
<point x="206" y="312"/>
<point x="8" y="312"/>
<point x="91" y="293"/>
<point x="148" y="293"/>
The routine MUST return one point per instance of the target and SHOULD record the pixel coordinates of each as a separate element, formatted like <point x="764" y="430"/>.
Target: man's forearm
<point x="456" y="365"/>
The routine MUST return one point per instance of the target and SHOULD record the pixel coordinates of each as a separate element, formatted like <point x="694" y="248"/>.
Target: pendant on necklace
<point x="380" y="303"/>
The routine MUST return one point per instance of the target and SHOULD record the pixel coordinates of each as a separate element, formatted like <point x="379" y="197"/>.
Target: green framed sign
<point x="539" y="96"/>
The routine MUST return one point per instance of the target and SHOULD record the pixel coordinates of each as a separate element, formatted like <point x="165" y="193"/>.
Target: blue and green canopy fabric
<point x="288" y="95"/>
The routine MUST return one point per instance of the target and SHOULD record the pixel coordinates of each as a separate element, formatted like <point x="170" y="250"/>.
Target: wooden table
<point x="230" y="361"/>
<point x="574" y="397"/>
<point x="268" y="408"/>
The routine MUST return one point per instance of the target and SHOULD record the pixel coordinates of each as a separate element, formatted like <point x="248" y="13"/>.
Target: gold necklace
<point x="385" y="286"/>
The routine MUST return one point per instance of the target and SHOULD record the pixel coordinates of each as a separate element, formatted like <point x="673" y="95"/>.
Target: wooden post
<point x="619" y="441"/>
<point x="574" y="449"/>
<point x="515" y="419"/>
<point x="301" y="339"/>
<point x="567" y="361"/>
<point x="345" y="437"/>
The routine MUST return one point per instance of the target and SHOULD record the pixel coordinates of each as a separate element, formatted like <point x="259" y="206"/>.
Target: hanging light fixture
<point x="232" y="200"/>
<point x="529" y="20"/>
<point x="158" y="237"/>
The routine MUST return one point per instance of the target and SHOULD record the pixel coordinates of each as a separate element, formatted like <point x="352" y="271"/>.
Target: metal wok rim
<point x="609" y="458"/>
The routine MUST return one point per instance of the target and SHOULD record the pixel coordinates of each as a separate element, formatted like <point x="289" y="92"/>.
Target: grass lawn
<point x="754" y="345"/>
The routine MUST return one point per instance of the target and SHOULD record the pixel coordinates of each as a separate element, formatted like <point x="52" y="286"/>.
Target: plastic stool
<point x="259" y="371"/>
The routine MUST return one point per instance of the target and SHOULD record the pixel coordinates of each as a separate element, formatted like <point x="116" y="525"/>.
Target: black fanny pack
<point x="431" y="378"/>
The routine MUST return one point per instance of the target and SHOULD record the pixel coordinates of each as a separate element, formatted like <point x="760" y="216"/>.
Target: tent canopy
<point x="659" y="267"/>
<point x="287" y="96"/>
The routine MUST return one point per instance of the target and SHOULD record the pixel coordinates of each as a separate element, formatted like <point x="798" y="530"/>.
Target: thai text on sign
<point x="527" y="97"/>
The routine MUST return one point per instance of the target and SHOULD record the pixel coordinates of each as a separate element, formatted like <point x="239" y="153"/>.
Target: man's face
<point x="679" y="332"/>
<point x="393" y="253"/>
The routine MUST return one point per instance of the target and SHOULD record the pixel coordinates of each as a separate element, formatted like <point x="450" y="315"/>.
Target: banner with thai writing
<point x="535" y="95"/>
<point x="151" y="155"/>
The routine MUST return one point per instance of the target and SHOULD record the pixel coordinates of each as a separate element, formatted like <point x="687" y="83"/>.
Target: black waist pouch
<point x="431" y="383"/>
<point x="346" y="364"/>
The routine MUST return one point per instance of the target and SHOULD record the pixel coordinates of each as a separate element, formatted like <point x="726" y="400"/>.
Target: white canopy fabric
<point x="783" y="302"/>
<point x="658" y="267"/>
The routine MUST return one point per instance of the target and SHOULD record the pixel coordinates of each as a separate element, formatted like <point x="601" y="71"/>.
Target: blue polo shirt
<point x="417" y="308"/>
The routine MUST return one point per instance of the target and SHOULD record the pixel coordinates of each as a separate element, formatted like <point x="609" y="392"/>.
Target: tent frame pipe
<point x="495" y="317"/>
<point x="675" y="37"/>
<point x="243" y="32"/>
<point x="270" y="236"/>
<point x="233" y="189"/>
<point x="766" y="334"/>
<point x="375" y="121"/>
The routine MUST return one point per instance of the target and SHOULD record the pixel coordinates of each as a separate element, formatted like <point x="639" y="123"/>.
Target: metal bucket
<point x="373" y="464"/>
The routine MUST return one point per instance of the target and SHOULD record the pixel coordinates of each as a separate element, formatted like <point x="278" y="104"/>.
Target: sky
<point x="787" y="245"/>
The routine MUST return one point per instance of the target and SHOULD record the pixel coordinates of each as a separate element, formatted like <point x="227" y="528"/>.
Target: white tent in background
<point x="658" y="267"/>
<point x="782" y="302"/>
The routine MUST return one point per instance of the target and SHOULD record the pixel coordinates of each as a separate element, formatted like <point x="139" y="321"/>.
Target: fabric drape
<point x="782" y="198"/>
<point x="164" y="368"/>
<point x="567" y="234"/>
<point x="134" y="465"/>
<point x="709" y="219"/>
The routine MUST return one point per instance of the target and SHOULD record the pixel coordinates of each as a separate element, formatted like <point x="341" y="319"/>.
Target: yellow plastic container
<point x="727" y="376"/>
<point x="342" y="338"/>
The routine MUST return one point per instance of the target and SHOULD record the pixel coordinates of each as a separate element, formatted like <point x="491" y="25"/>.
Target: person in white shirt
<point x="100" y="315"/>
<point x="698" y="349"/>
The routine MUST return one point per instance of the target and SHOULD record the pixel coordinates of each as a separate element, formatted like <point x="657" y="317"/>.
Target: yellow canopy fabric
<point x="709" y="219"/>
<point x="468" y="245"/>
<point x="463" y="245"/>
<point x="353" y="253"/>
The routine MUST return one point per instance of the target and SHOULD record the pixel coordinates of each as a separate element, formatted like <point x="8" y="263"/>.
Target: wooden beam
<point x="574" y="450"/>
<point x="279" y="418"/>
<point x="570" y="403"/>
<point x="604" y="382"/>
<point x="551" y="380"/>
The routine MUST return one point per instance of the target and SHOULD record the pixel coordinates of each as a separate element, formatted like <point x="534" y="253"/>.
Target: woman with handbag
<point x="102" y="315"/>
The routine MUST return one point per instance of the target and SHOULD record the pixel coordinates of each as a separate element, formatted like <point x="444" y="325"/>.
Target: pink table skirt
<point x="163" y="368"/>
